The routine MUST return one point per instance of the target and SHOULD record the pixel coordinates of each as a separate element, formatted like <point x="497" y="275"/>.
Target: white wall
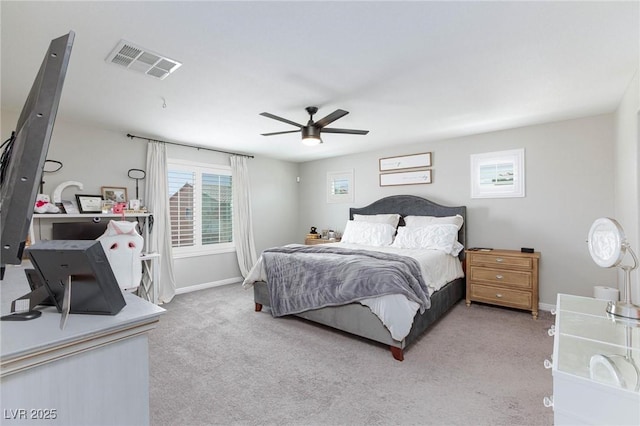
<point x="569" y="183"/>
<point x="93" y="156"/>
<point x="570" y="169"/>
<point x="98" y="157"/>
<point x="275" y="200"/>
<point x="627" y="161"/>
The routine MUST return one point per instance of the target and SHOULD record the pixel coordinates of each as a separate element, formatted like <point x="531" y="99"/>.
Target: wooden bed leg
<point x="397" y="353"/>
<point x="258" y="307"/>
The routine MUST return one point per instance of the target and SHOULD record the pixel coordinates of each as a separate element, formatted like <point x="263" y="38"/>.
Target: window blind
<point x="200" y="203"/>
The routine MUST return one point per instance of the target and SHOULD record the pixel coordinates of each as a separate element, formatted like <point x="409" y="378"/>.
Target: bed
<point x="358" y="317"/>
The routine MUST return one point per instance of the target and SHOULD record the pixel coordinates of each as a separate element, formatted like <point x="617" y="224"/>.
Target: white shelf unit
<point x="150" y="277"/>
<point x="59" y="217"/>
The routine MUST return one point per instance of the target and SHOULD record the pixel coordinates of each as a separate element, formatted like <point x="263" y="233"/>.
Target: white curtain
<point x="156" y="191"/>
<point x="242" y="222"/>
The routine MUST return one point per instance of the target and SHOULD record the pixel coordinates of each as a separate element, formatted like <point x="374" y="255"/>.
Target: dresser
<point x="504" y="278"/>
<point x="594" y="366"/>
<point x="94" y="371"/>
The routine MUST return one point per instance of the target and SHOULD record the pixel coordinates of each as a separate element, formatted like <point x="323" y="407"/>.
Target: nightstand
<point x="314" y="241"/>
<point x="504" y="278"/>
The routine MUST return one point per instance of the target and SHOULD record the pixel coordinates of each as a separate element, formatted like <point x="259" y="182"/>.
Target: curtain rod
<point x="129" y="135"/>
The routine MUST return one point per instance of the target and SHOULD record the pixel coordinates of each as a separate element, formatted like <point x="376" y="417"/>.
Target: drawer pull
<point x="548" y="363"/>
<point x="548" y="401"/>
<point x="552" y="331"/>
<point x="499" y="260"/>
<point x="498" y="295"/>
<point x="499" y="277"/>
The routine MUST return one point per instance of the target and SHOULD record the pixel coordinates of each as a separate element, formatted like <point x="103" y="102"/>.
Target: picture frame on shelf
<point x="134" y="205"/>
<point x="107" y="206"/>
<point x="115" y="194"/>
<point x="69" y="207"/>
<point x="400" y="162"/>
<point x="89" y="203"/>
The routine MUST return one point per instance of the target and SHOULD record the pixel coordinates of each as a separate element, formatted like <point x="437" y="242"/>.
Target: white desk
<point x="94" y="372"/>
<point x="584" y="389"/>
<point x="150" y="261"/>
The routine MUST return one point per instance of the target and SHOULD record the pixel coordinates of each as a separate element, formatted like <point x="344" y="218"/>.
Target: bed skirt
<point x="358" y="319"/>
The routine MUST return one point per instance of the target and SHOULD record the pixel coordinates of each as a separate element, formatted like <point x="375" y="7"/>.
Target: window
<point x="200" y="205"/>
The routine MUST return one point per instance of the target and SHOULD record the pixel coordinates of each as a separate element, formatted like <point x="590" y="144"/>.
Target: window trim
<point x="199" y="169"/>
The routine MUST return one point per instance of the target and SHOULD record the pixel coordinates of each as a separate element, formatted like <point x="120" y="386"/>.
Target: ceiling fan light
<point x="311" y="135"/>
<point x="311" y="140"/>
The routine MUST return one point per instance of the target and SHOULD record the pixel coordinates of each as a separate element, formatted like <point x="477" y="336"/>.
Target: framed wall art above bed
<point x="414" y="177"/>
<point x="401" y="162"/>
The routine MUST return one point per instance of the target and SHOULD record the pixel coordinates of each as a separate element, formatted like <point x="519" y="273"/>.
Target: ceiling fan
<point x="311" y="132"/>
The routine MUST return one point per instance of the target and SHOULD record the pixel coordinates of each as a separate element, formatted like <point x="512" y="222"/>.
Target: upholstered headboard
<point x="411" y="205"/>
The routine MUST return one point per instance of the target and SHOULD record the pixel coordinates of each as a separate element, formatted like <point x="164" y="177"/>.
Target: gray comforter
<point x="301" y="278"/>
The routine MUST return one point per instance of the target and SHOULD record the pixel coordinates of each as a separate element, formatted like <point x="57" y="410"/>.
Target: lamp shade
<point x="311" y="136"/>
<point x="310" y="141"/>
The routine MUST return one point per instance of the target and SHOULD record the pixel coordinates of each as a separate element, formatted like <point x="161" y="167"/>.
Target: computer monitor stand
<point x="66" y="304"/>
<point x="27" y="303"/>
<point x="23" y="308"/>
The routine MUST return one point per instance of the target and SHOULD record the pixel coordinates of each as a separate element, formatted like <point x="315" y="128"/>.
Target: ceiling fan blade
<point x="339" y="113"/>
<point x="284" y="120"/>
<point x="349" y="131"/>
<point x="280" y="133"/>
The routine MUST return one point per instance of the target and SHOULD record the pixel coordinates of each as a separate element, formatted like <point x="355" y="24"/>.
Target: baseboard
<point x="189" y="289"/>
<point x="546" y="307"/>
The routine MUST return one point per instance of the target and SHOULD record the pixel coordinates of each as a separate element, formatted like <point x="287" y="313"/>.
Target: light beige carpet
<point x="216" y="361"/>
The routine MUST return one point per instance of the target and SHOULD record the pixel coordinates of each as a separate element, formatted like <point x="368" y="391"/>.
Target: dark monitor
<point x="84" y="266"/>
<point x="24" y="154"/>
<point x="78" y="230"/>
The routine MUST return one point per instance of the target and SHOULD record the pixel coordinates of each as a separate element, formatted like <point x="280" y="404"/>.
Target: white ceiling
<point x="407" y="71"/>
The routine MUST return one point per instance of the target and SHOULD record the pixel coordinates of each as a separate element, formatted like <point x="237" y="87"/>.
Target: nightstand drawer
<point x="503" y="261"/>
<point x="501" y="296"/>
<point x="314" y="241"/>
<point x="501" y="277"/>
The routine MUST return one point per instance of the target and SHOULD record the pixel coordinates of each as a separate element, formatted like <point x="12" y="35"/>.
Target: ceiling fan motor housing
<point x="310" y="132"/>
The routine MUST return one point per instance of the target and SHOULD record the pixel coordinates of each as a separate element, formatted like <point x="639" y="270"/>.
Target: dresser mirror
<point x="608" y="247"/>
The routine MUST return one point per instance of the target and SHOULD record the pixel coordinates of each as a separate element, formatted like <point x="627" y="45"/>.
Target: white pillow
<point x="391" y="219"/>
<point x="368" y="233"/>
<point x="457" y="248"/>
<point x="434" y="220"/>
<point x="443" y="237"/>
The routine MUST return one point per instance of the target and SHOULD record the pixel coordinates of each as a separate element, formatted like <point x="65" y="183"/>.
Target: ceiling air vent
<point x="142" y="60"/>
